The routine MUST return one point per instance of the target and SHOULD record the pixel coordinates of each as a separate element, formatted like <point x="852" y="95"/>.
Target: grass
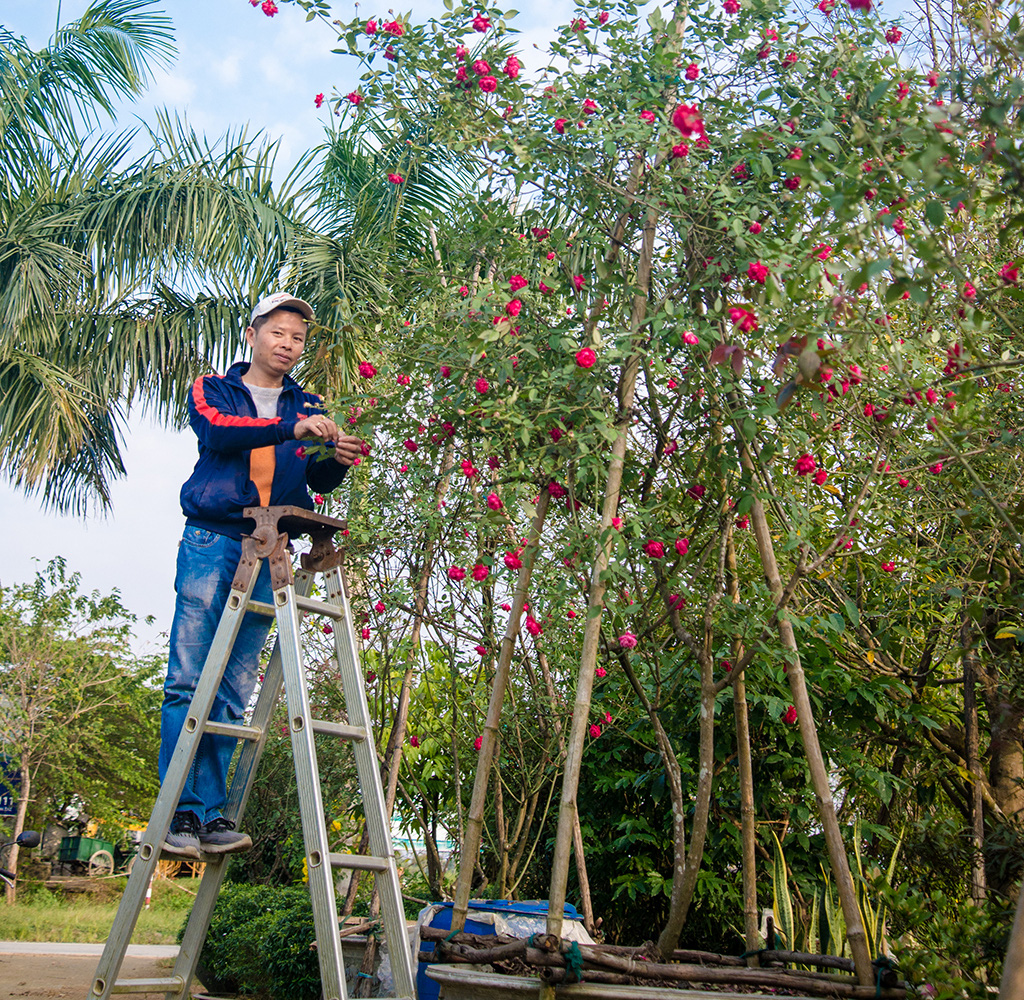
<point x="86" y="918"/>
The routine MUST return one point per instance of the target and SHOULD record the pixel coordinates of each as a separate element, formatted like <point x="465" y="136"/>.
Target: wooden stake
<point x="812" y="749"/>
<point x="475" y="820"/>
<point x="751" y="924"/>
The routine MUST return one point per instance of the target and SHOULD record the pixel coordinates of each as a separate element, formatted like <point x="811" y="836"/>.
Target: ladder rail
<point x="320" y="875"/>
<point x="199" y="920"/>
<point x="134" y="896"/>
<point x="378" y="820"/>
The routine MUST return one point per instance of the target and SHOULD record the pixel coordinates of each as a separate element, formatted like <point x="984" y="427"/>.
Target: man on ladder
<point x="250" y="424"/>
<point x="245" y="500"/>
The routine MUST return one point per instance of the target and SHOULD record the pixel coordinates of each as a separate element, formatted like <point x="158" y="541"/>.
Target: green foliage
<point x="260" y="942"/>
<point x="81" y="713"/>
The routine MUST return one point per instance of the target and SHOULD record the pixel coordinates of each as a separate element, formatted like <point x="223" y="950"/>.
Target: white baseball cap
<point x="277" y="301"/>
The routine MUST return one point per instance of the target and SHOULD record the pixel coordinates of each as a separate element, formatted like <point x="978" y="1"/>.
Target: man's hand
<point x="317" y="426"/>
<point x="347" y="448"/>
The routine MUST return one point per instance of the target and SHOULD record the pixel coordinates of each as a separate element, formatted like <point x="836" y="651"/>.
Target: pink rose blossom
<point x="456" y="573"/>
<point x="757" y="272"/>
<point x="600" y="672"/>
<point x="488" y="84"/>
<point x="366" y="369"/>
<point x="512" y="561"/>
<point x="627" y="640"/>
<point x="395" y="178"/>
<point x="595" y="730"/>
<point x="790" y="717"/>
<point x="578" y="281"/>
<point x="805" y="465"/>
<point x="682" y="546"/>
<point x="688" y="120"/>
<point x="480" y="572"/>
<point x="654" y="549"/>
<point x="692" y="71"/>
<point x="481" y="23"/>
<point x="560" y="129"/>
<point x="586" y="358"/>
<point x="371" y="27"/>
<point x="481" y="385"/>
<point x="512" y="67"/>
<point x="647" y="116"/>
<point x="888" y="567"/>
<point x="269" y="7"/>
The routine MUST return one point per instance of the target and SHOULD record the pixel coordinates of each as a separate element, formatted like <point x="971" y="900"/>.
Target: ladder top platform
<point x="295" y="521"/>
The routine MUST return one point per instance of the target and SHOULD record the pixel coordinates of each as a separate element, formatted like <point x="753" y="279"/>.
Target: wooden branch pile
<point x="544" y="955"/>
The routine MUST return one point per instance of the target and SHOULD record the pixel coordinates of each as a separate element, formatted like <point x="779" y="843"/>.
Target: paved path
<point x="31" y="970"/>
<point x="94" y="950"/>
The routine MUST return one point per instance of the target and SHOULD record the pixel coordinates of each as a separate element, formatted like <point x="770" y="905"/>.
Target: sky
<point x="235" y="67"/>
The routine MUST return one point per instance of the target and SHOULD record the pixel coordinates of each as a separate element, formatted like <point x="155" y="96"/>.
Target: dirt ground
<point x="69" y="976"/>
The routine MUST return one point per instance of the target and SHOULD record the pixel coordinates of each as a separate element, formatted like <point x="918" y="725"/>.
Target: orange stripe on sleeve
<point x="214" y="416"/>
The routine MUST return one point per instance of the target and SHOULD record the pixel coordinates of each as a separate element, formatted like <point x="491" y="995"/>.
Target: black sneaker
<point x="183" y="839"/>
<point x="219" y="836"/>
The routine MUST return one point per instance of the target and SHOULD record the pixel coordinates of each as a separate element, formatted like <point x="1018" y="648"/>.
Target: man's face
<point x="277" y="344"/>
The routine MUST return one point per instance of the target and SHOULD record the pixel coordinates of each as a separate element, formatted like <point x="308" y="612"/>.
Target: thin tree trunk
<point x="687" y="863"/>
<point x="751" y="923"/>
<point x="973" y="758"/>
<point x="19" y="826"/>
<point x="809" y="736"/>
<point x="475" y="820"/>
<point x="579" y="856"/>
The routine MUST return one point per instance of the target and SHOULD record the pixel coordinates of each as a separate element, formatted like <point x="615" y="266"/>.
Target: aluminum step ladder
<point x="291" y="601"/>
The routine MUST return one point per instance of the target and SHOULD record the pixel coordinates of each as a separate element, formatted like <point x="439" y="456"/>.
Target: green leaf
<point x="782" y="904"/>
<point x="935" y="213"/>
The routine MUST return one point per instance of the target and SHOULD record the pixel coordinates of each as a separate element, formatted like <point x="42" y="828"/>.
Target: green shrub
<point x="260" y="943"/>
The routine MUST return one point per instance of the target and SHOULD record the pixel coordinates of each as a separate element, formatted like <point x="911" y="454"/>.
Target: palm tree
<point x="120" y="278"/>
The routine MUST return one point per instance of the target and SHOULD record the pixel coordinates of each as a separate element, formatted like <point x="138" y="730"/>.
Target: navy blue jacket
<point x="223" y="415"/>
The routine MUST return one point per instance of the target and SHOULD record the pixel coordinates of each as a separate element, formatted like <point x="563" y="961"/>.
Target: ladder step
<point x="229" y="729"/>
<point x="320" y="607"/>
<point x="362" y="862"/>
<point x="356" y="733"/>
<point x="305" y="603"/>
<point x="148" y="985"/>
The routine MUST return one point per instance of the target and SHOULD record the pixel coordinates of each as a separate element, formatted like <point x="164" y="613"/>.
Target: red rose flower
<point x="585" y="358"/>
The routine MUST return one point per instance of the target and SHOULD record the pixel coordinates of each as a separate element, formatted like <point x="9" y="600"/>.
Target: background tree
<point x="81" y="715"/>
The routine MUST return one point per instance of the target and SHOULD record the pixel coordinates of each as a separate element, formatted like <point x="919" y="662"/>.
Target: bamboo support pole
<point x="1011" y="986"/>
<point x="475" y="820"/>
<point x="751" y="924"/>
<point x="567" y="816"/>
<point x="809" y="736"/>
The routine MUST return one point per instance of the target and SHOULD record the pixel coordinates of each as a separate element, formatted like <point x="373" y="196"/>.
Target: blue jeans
<point x="206" y="566"/>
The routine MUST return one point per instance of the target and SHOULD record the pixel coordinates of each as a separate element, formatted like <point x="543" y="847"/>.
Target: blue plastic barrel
<point x="426" y="988"/>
